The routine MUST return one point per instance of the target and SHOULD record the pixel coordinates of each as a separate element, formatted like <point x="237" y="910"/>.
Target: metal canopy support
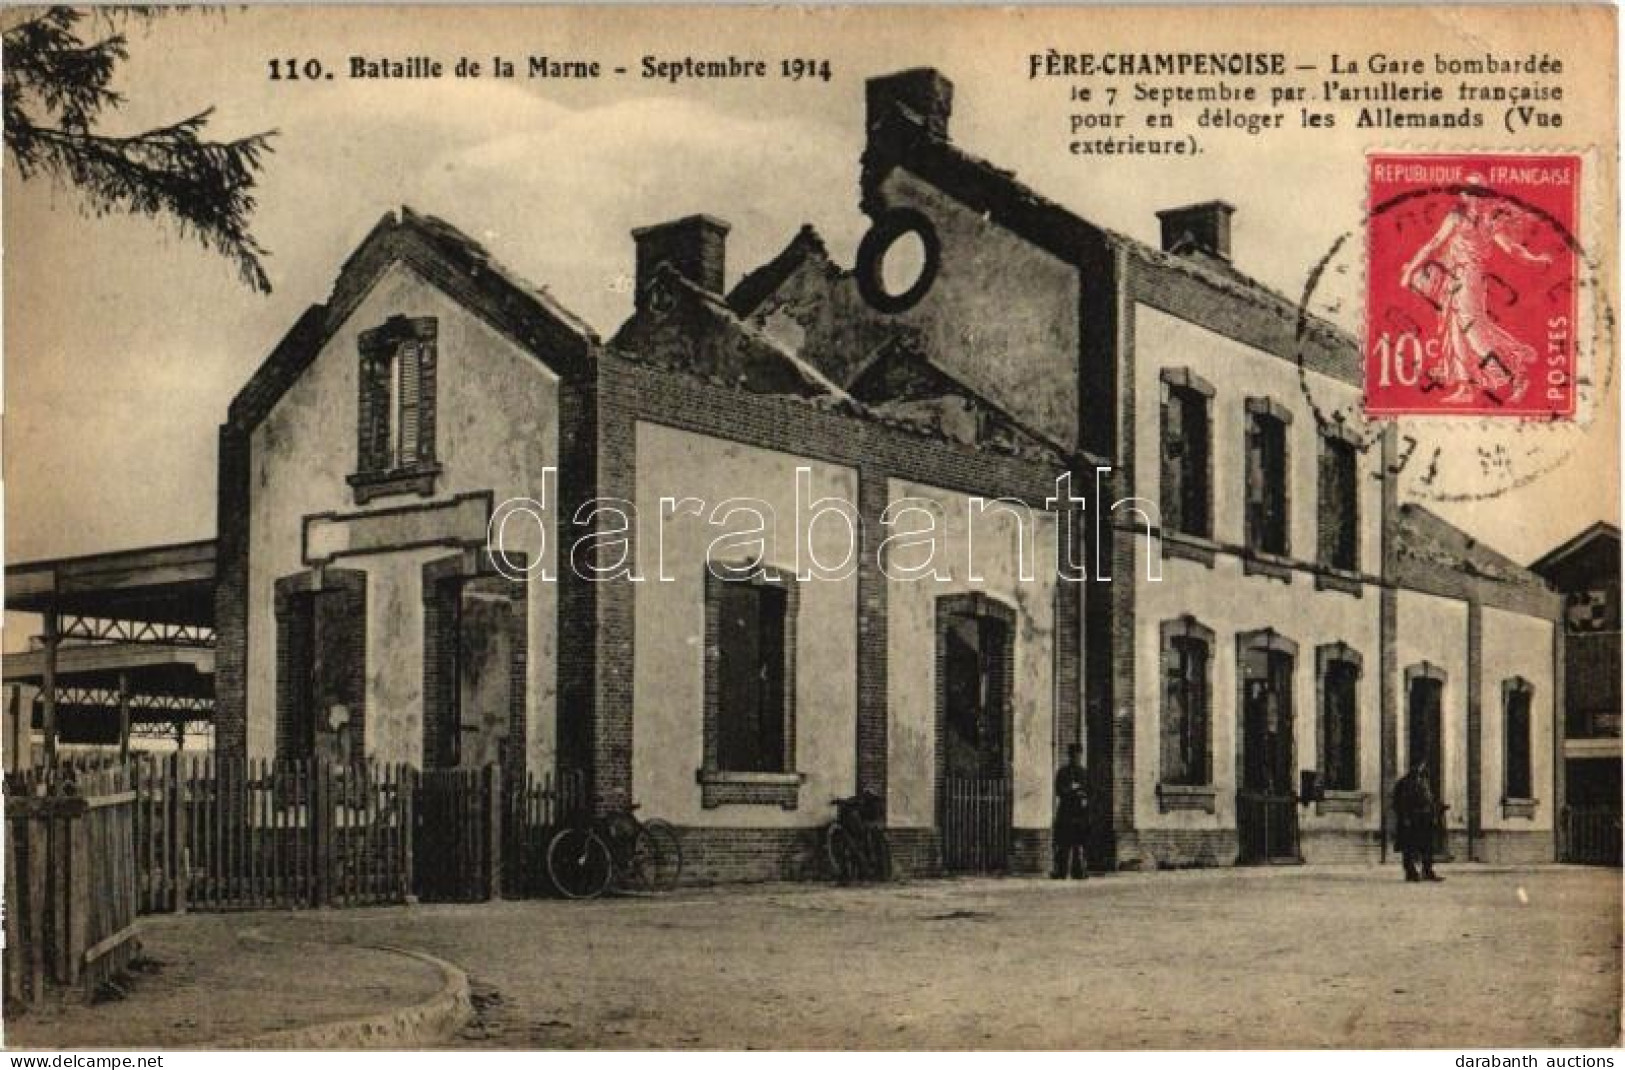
<point x="123" y="715"/>
<point x="48" y="684"/>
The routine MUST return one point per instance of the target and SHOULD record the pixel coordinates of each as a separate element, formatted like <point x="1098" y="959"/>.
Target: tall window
<point x="1186" y="703"/>
<point x="1339" y="717"/>
<point x="1186" y="436"/>
<point x="1517" y="696"/>
<point x="1339" y="512"/>
<point x="752" y="680"/>
<point x="396" y="415"/>
<point x="1267" y="495"/>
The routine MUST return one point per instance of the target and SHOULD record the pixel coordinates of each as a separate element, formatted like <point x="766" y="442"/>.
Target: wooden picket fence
<point x="92" y="843"/>
<point x="459" y="834"/>
<point x="70" y="890"/>
<point x="220" y="834"/>
<point x="533" y="809"/>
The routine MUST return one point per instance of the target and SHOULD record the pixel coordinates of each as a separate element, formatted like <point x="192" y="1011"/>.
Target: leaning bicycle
<point x="590" y="856"/>
<point x="855" y="844"/>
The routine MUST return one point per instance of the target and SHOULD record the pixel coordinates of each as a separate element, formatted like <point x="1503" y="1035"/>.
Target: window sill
<point x="1259" y="563"/>
<point x="1524" y="808"/>
<point x="1336" y="579"/>
<point x="1189" y="547"/>
<point x="1341" y="802"/>
<point x="419" y="479"/>
<point x="1202" y="797"/>
<point x="721" y="788"/>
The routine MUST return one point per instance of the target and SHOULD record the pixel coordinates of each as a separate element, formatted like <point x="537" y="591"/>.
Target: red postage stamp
<point x="1472" y="265"/>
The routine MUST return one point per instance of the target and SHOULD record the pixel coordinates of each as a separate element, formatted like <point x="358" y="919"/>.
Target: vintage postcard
<point x="820" y="527"/>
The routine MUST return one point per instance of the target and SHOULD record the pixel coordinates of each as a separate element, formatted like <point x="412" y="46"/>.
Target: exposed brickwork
<point x="1340" y="847"/>
<point x="728" y="855"/>
<point x="1032" y="851"/>
<point x="577" y="597"/>
<point x="1475" y="727"/>
<point x="872" y="741"/>
<point x="915" y="852"/>
<point x="695" y="246"/>
<point x="1184" y="848"/>
<point x="613" y="699"/>
<point x="231" y="596"/>
<point x="1518" y="848"/>
<point x="1388" y="697"/>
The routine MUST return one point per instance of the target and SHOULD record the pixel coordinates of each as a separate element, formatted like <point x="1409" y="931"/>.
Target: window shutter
<point x="1196" y="681"/>
<point x="1173" y="450"/>
<point x="1328" y="513"/>
<point x="1173" y="713"/>
<point x="409" y="395"/>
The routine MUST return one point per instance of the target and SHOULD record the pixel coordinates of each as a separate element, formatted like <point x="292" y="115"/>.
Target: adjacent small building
<point x="1585" y="571"/>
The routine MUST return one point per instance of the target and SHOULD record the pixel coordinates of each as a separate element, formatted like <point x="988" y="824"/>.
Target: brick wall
<point x="1182" y="848"/>
<point x="231" y="595"/>
<point x="628" y="392"/>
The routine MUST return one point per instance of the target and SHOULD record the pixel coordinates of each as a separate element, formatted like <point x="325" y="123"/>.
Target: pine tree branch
<point x="56" y="86"/>
<point x="204" y="187"/>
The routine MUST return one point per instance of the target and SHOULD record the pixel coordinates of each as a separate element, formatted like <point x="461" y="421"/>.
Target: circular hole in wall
<point x="898" y="260"/>
<point x="902" y="264"/>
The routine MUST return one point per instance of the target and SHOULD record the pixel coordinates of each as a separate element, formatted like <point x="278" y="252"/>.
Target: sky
<point x="124" y="343"/>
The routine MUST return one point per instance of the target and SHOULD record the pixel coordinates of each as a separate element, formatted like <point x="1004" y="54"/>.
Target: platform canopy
<point x="126" y="642"/>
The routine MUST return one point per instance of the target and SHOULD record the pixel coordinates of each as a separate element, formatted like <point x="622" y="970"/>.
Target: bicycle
<point x="589" y="856"/>
<point x="855" y="844"/>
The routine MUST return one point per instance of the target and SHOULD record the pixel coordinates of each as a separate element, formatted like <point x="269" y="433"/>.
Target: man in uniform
<point x="1417" y="816"/>
<point x="1071" y="817"/>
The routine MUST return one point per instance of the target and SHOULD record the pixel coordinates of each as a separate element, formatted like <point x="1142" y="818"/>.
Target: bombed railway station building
<point x="1010" y="481"/>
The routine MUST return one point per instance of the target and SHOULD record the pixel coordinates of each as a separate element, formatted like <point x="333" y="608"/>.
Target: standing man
<point x="1417" y="815"/>
<point x="1071" y="817"/>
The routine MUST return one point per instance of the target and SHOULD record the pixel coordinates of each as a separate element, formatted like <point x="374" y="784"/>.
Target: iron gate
<point x="976" y="824"/>
<point x="1268" y="827"/>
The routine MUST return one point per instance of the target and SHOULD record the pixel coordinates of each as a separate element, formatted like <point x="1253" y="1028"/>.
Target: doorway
<point x="474" y="669"/>
<point x="1266" y="805"/>
<point x="975" y="667"/>
<point x="1424" y="719"/>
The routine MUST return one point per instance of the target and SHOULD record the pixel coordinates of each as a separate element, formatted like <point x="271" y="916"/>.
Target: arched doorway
<point x="1266" y="804"/>
<point x="975" y="732"/>
<point x="1424" y="737"/>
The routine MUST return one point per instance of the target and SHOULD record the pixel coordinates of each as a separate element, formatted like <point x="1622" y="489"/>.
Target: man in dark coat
<point x="1417" y="817"/>
<point x="1071" y="817"/>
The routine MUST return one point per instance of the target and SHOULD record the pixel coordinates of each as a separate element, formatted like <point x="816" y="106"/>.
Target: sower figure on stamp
<point x="1071" y="817"/>
<point x="1452" y="272"/>
<point x="1417" y="823"/>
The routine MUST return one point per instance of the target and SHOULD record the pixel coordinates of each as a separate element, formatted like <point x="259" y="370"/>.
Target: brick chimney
<point x="921" y="96"/>
<point x="695" y="246"/>
<point x="1204" y="226"/>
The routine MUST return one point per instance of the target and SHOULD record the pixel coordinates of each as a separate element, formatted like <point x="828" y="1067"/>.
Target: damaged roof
<point x="985" y="187"/>
<point x="1429" y="552"/>
<point x="449" y="259"/>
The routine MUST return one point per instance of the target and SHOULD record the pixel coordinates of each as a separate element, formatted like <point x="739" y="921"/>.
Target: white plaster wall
<point x="1517" y="645"/>
<point x="1237" y="372"/>
<point x="1230" y="603"/>
<point x="1002" y="314"/>
<point x="911" y="607"/>
<point x="1434" y="629"/>
<point x="497" y="429"/>
<point x="1226" y="600"/>
<point x="669" y="668"/>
